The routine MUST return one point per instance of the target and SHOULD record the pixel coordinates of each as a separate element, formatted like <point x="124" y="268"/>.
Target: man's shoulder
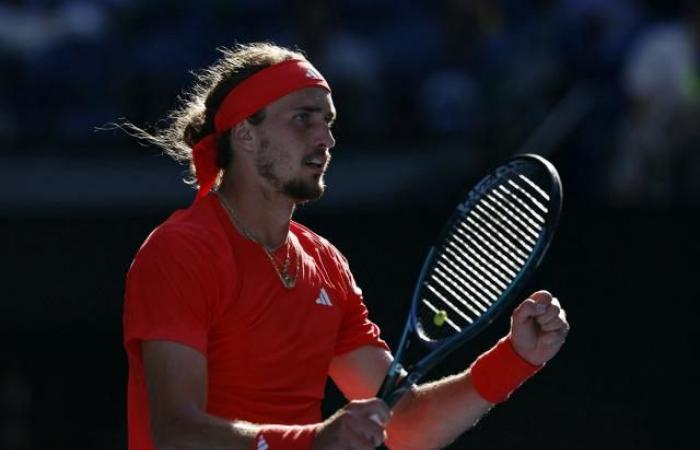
<point x="312" y="240"/>
<point x="191" y="230"/>
<point x="307" y="236"/>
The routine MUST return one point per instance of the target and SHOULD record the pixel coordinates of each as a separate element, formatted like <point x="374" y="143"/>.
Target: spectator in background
<point x="47" y="54"/>
<point x="596" y="36"/>
<point x="27" y="27"/>
<point x="654" y="161"/>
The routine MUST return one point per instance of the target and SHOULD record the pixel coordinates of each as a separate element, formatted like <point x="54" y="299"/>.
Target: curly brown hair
<point x="193" y="119"/>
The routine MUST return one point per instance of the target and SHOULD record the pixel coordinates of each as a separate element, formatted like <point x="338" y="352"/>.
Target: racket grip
<point x="393" y="398"/>
<point x="388" y="385"/>
<point x="389" y="392"/>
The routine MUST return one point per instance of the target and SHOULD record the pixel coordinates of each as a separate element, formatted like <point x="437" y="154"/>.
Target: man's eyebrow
<point x="309" y="108"/>
<point x="316" y="109"/>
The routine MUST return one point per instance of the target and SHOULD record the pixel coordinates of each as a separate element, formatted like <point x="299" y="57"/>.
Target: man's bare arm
<point x="430" y="416"/>
<point x="434" y="414"/>
<point x="176" y="376"/>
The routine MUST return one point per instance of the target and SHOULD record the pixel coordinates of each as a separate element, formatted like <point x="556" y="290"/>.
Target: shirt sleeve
<point x="356" y="329"/>
<point x="171" y="292"/>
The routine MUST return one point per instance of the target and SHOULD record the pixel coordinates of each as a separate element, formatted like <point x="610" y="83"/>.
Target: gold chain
<point x="285" y="277"/>
<point x="282" y="269"/>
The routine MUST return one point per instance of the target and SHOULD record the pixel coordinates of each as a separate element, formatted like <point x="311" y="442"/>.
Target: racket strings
<point x="489" y="234"/>
<point x="453" y="287"/>
<point x="473" y="243"/>
<point x="484" y="252"/>
<point x="524" y="220"/>
<point x="463" y="276"/>
<point x="483" y="287"/>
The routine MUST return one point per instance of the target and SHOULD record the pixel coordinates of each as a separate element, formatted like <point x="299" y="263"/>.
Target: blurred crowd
<point x="480" y="73"/>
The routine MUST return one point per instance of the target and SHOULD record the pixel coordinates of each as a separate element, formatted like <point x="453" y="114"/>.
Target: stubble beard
<point x="299" y="189"/>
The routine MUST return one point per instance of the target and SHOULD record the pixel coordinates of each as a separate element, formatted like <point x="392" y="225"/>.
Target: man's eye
<point x="303" y="117"/>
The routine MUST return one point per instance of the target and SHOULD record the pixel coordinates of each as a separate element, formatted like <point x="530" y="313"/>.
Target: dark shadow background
<point x="430" y="95"/>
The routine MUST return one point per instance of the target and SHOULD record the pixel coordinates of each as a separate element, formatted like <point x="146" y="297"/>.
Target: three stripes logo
<point x="323" y="298"/>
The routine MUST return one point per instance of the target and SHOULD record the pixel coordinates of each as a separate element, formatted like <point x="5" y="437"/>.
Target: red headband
<point x="247" y="98"/>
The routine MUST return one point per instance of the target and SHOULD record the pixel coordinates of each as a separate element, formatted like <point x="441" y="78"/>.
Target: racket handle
<point x="393" y="398"/>
<point x="386" y="387"/>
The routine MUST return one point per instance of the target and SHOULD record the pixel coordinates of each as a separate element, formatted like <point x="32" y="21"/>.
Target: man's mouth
<point x="317" y="162"/>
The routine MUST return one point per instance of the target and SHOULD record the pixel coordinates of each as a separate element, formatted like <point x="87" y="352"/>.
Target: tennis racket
<point x="487" y="251"/>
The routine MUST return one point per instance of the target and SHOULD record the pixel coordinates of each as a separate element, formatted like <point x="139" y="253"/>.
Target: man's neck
<point x="262" y="215"/>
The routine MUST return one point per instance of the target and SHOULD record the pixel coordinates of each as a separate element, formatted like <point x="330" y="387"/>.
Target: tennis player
<point x="235" y="315"/>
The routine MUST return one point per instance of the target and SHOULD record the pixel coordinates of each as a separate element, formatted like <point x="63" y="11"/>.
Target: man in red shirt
<point x="235" y="315"/>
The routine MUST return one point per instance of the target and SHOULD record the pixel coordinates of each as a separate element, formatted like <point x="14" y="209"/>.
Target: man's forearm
<point x="435" y="414"/>
<point x="196" y="430"/>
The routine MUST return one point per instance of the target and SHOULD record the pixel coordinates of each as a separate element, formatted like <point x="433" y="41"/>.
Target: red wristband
<point x="500" y="371"/>
<point x="284" y="438"/>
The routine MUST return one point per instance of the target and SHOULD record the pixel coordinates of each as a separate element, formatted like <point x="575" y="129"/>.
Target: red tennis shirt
<point x="198" y="282"/>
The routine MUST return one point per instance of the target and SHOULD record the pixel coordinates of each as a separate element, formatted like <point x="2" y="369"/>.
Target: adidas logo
<point x="323" y="298"/>
<point x="262" y="443"/>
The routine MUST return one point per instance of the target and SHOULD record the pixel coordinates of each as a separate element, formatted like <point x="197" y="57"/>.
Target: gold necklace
<point x="285" y="277"/>
<point x="282" y="269"/>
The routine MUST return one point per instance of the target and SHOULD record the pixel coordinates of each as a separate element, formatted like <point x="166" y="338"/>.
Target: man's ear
<point x="243" y="136"/>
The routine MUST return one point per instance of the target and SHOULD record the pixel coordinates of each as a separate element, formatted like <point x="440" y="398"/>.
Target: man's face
<point x="294" y="143"/>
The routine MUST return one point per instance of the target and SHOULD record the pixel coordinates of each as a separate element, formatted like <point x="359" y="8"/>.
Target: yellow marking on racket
<point x="440" y="318"/>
